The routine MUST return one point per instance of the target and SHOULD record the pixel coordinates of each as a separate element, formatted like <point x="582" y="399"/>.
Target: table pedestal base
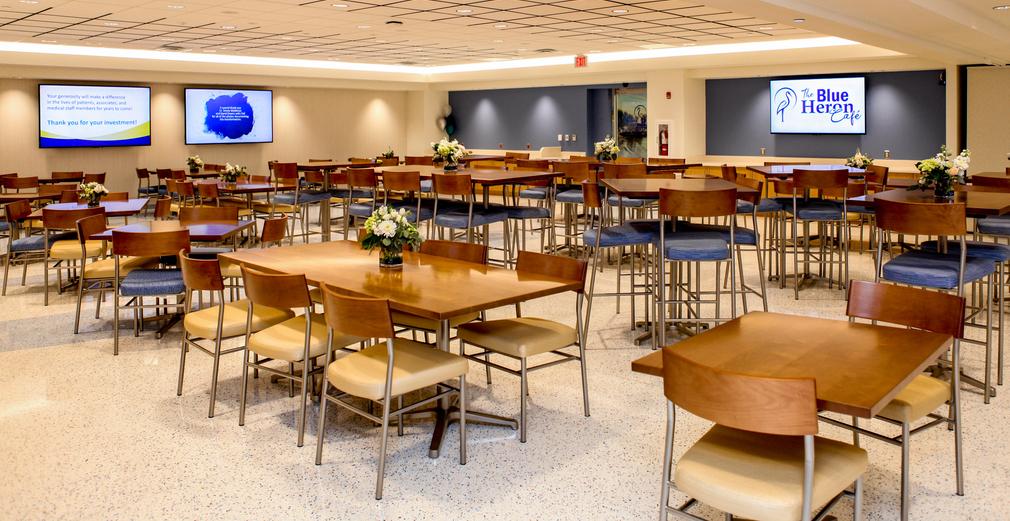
<point x="446" y="417"/>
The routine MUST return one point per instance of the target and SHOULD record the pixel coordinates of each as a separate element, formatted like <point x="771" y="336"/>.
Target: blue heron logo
<point x="786" y="97"/>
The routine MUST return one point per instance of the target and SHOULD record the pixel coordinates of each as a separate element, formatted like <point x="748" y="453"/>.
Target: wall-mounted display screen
<point x="226" y="116"/>
<point x="94" y="116"/>
<point x="818" y="106"/>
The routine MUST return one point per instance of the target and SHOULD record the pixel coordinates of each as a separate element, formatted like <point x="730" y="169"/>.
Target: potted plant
<point x="941" y="171"/>
<point x="389" y="230"/>
<point x="195" y="163"/>
<point x="449" y="152"/>
<point x="387" y="158"/>
<point x="92" y="192"/>
<point x="859" y="160"/>
<point x="231" y="172"/>
<point x="607" y="149"/>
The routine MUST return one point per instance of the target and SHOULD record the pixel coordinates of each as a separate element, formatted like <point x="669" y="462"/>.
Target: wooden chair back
<point x="68" y="176"/>
<point x="554" y="266"/>
<point x="418" y="160"/>
<point x="362" y="178"/>
<point x="361" y="317"/>
<point x="695" y="203"/>
<point x="635" y="170"/>
<point x="90" y="225"/>
<point x="999" y="183"/>
<point x="285" y="171"/>
<point x="591" y="195"/>
<point x="464" y="251"/>
<point x="118" y="196"/>
<point x="163" y="174"/>
<point x="170" y="187"/>
<point x="259" y="179"/>
<point x="208" y="192"/>
<point x="185" y="189"/>
<point x="1007" y="171"/>
<point x="163" y="208"/>
<point x="876" y="178"/>
<point x="143" y="174"/>
<point x="150" y="244"/>
<point x="786" y="163"/>
<point x="179" y="175"/>
<point x="337" y="179"/>
<point x="629" y="160"/>
<point x="917" y="308"/>
<point x="783" y="406"/>
<point x="820" y="179"/>
<point x="315" y="177"/>
<point x="208" y="215"/>
<point x="201" y="274"/>
<point x="667" y="160"/>
<point x="576" y="171"/>
<point x="754" y="184"/>
<point x="360" y="161"/>
<point x="921" y="218"/>
<point x="273" y="230"/>
<point x="729" y="173"/>
<point x="451" y="184"/>
<point x="533" y="164"/>
<point x="17" y="211"/>
<point x="95" y="178"/>
<point x="58" y="188"/>
<point x="402" y="181"/>
<point x="20" y="183"/>
<point x="517" y="155"/>
<point x="66" y="218"/>
<point x="213" y="167"/>
<point x="68" y="196"/>
<point x="389" y="161"/>
<point x="276" y="290"/>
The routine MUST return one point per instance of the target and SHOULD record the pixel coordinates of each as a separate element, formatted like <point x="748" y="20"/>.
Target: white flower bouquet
<point x="607" y="150"/>
<point x="450" y="152"/>
<point x="941" y="171"/>
<point x="859" y="160"/>
<point x="231" y="172"/>
<point x="390" y="230"/>
<point x="92" y="192"/>
<point x="194" y="162"/>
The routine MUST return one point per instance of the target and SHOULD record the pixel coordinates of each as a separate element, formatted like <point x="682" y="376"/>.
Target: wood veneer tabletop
<point x="641" y="187"/>
<point x="329" y="165"/>
<point x="977" y="203"/>
<point x="787" y="170"/>
<point x="213" y="232"/>
<point x="112" y="208"/>
<point x="858" y="368"/>
<point x="203" y="175"/>
<point x="26" y="196"/>
<point x="429" y="286"/>
<point x="483" y="176"/>
<point x="249" y="188"/>
<point x="998" y="175"/>
<point x="51" y="181"/>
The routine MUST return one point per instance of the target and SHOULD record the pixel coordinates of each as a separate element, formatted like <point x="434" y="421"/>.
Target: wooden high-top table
<point x="428" y="286"/>
<point x="126" y="208"/>
<point x="858" y="368"/>
<point x="977" y="203"/>
<point x="785" y="171"/>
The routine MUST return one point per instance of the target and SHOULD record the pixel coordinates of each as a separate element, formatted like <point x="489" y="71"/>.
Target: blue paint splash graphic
<point x="229" y="117"/>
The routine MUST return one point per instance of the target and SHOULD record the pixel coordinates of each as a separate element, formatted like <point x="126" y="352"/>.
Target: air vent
<point x="173" y="48"/>
<point x="545" y="50"/>
<point x="393" y="22"/>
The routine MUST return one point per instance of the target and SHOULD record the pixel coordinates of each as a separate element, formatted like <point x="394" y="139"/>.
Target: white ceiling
<point x="429" y="32"/>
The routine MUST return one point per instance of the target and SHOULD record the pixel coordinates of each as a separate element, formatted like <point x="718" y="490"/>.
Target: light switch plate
<point x="559" y="137"/>
<point x="573" y="140"/>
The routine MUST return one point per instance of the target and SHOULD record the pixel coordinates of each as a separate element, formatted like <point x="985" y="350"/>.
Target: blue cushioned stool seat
<point x="303" y="198"/>
<point x="999" y="225"/>
<point x="741" y="235"/>
<point x="426" y="185"/>
<point x="984" y="250"/>
<point x="143" y="283"/>
<point x="411" y="207"/>
<point x="360" y="209"/>
<point x="38" y="242"/>
<point x="628" y="202"/>
<point x="631" y="233"/>
<point x="864" y="210"/>
<point x="766" y="205"/>
<point x="457" y="218"/>
<point x="935" y="270"/>
<point x="570" y="196"/>
<point x="341" y="193"/>
<point x="4" y="226"/>
<point x="536" y="192"/>
<point x="816" y="210"/>
<point x="696" y="246"/>
<point x="160" y="190"/>
<point x="528" y="212"/>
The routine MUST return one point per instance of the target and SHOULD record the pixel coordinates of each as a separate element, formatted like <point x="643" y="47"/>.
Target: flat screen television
<point x="818" y="106"/>
<point x="94" y="116"/>
<point x="229" y="116"/>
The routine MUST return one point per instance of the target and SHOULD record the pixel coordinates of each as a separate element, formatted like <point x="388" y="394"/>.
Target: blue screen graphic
<point x="219" y="116"/>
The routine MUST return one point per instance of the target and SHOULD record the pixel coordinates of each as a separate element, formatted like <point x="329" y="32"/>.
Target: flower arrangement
<point x="389" y="230"/>
<point x="231" y="172"/>
<point x="92" y="192"/>
<point x="450" y="152"/>
<point x="941" y="171"/>
<point x="607" y="149"/>
<point x="859" y="160"/>
<point x="388" y="154"/>
<point x="194" y="163"/>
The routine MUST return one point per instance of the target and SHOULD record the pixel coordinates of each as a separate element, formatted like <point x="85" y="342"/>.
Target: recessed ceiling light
<point x="286" y="38"/>
<point x="48" y="41"/>
<point x="339" y="6"/>
<point x="497" y="41"/>
<point x="227" y="26"/>
<point x="613" y="41"/>
<point x="765" y="28"/>
<point x="175" y="6"/>
<point x="799" y="20"/>
<point x="111" y="24"/>
<point x="500" y="26"/>
<point x="464" y="11"/>
<point x="594" y="50"/>
<point x="687" y="45"/>
<point x="596" y="30"/>
<point x="619" y="11"/>
<point x="364" y="27"/>
<point x="1001" y="7"/>
<point x="29" y="1"/>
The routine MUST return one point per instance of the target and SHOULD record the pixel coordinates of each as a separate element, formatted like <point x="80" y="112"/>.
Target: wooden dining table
<point x="433" y="287"/>
<point x="859" y="368"/>
<point x="977" y="203"/>
<point x="785" y="171"/>
<point x="645" y="188"/>
<point x="206" y="232"/>
<point x="126" y="208"/>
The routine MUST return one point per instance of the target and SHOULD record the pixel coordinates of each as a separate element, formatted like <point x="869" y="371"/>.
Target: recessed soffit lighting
<point x="1001" y="8"/>
<point x="619" y="11"/>
<point x="799" y="20"/>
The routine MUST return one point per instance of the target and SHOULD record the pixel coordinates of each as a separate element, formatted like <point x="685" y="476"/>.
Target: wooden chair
<point x="219" y="321"/>
<point x="271" y="234"/>
<point x="68" y="176"/>
<point x="163" y="208"/>
<point x="208" y="215"/>
<point x="569" y="195"/>
<point x="23" y="246"/>
<point x="144" y="187"/>
<point x="525" y="337"/>
<point x="69" y="196"/>
<point x="406" y="187"/>
<point x="461" y="251"/>
<point x="65" y="253"/>
<point x="362" y="189"/>
<point x="758" y="461"/>
<point x="828" y="215"/>
<point x="917" y="309"/>
<point x="301" y="339"/>
<point x="629" y="160"/>
<point x="139" y="284"/>
<point x="94" y="178"/>
<point x="383" y="371"/>
<point x="388" y="161"/>
<point x="20" y="184"/>
<point x="418" y="160"/>
<point x="466" y="216"/>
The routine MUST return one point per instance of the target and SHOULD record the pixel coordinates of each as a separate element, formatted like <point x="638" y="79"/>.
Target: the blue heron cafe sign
<point x="818" y="106"/>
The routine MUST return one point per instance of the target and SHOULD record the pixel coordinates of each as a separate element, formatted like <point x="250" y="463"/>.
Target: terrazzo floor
<point x="86" y="435"/>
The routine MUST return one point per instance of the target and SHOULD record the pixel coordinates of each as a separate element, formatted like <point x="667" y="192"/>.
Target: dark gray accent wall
<point x="905" y="113"/>
<point x="515" y="117"/>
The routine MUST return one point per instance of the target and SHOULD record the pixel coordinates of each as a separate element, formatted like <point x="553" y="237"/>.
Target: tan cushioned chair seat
<point x="519" y="337"/>
<point x="264" y="206"/>
<point x="920" y="397"/>
<point x="286" y="341"/>
<point x="106" y="268"/>
<point x="415" y="366"/>
<point x="760" y="476"/>
<point x="416" y="322"/>
<point x="203" y="323"/>
<point x="72" y="249"/>
<point x="230" y="269"/>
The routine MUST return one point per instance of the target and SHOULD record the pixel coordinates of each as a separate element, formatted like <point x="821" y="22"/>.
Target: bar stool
<point x="217" y="322"/>
<point x="286" y="174"/>
<point x="271" y="234"/>
<point x="362" y="183"/>
<point x="24" y="246"/>
<point x="464" y="215"/>
<point x="828" y="215"/>
<point x="949" y="269"/>
<point x="383" y="370"/>
<point x="521" y="338"/>
<point x="69" y="254"/>
<point x="406" y="186"/>
<point x="763" y="458"/>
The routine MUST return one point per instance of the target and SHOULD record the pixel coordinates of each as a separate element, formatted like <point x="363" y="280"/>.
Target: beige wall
<point x="989" y="118"/>
<point x="308" y="122"/>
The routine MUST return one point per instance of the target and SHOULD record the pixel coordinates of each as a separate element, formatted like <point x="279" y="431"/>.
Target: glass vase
<point x="391" y="259"/>
<point x="943" y="191"/>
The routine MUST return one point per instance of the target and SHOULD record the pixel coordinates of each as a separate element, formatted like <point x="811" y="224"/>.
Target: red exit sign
<point x="581" y="60"/>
